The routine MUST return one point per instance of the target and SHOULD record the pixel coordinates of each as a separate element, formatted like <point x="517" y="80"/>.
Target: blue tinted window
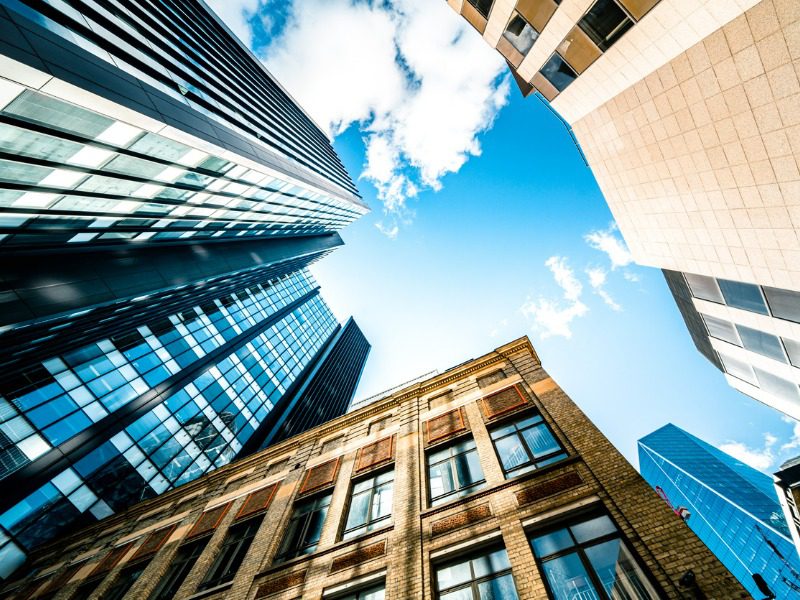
<point x="742" y="295"/>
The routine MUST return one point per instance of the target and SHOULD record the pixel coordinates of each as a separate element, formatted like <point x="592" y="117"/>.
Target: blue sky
<point x="486" y="225"/>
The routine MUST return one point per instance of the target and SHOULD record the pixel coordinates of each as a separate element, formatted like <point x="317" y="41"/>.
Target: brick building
<point x="485" y="479"/>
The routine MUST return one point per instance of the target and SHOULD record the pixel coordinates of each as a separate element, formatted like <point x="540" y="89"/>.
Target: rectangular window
<point x="179" y="568"/>
<point x="721" y="329"/>
<point x="743" y="295"/>
<point x="703" y="287"/>
<point x="763" y="343"/>
<point x="454" y="472"/>
<point x="482" y="6"/>
<point x="793" y="350"/>
<point x="124" y="581"/>
<point x="605" y="22"/>
<point x="526" y="444"/>
<point x="483" y="576"/>
<point x="520" y="34"/>
<point x="777" y="386"/>
<point x="589" y="559"/>
<point x="558" y="72"/>
<point x="234" y="548"/>
<point x="305" y="527"/>
<point x="738" y="368"/>
<point x="785" y="304"/>
<point x="370" y="504"/>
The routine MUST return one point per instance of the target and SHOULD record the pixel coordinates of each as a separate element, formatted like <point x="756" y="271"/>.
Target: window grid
<point x="482" y="576"/>
<point x="85" y="385"/>
<point x="454" y="472"/>
<point x="526" y="444"/>
<point x="196" y="430"/>
<point x="589" y="559"/>
<point x="303" y="532"/>
<point x="370" y="504"/>
<point x="230" y="556"/>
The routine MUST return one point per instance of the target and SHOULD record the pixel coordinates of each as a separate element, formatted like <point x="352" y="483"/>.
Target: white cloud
<point x="630" y="276"/>
<point x="597" y="279"/>
<point x="607" y="241"/>
<point x="417" y="80"/>
<point x="236" y="14"/>
<point x="554" y="317"/>
<point x="758" y="458"/>
<point x="794" y="443"/>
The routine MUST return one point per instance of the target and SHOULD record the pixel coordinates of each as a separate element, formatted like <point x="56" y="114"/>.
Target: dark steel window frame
<point x="461" y="491"/>
<point x="512" y="420"/>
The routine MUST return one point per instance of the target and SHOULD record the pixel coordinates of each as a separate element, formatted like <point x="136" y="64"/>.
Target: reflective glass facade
<point x="130" y="416"/>
<point x="732" y="508"/>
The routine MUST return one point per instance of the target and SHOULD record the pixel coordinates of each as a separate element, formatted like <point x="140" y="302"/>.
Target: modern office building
<point x="787" y="485"/>
<point x="161" y="197"/>
<point x="733" y="508"/>
<point x="688" y="114"/>
<point x="484" y="481"/>
<point x="146" y="137"/>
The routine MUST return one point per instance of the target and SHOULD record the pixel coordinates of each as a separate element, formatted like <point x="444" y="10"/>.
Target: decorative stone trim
<point x="548" y="488"/>
<point x="273" y="586"/>
<point x="320" y="476"/>
<point x="461" y="519"/>
<point x="358" y="556"/>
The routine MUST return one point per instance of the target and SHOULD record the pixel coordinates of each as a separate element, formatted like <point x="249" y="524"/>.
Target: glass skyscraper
<point x="161" y="198"/>
<point x="733" y="508"/>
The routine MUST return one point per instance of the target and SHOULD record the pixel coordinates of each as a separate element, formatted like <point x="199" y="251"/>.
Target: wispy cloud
<point x="759" y="458"/>
<point x="771" y="454"/>
<point x="554" y="317"/>
<point x="608" y="241"/>
<point x="597" y="279"/>
<point x="420" y="86"/>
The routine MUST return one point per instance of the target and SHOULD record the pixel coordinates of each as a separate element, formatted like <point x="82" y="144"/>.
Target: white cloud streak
<point x="420" y="84"/>
<point x="554" y="317"/>
<point x="758" y="458"/>
<point x="607" y="241"/>
<point x="597" y="279"/>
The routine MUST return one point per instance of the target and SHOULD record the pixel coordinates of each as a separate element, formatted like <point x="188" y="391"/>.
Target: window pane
<point x="520" y="34"/>
<point x="618" y="572"/>
<point x="540" y="441"/>
<point x="793" y="350"/>
<point x="705" y="288"/>
<point x="490" y="563"/>
<point x="483" y="6"/>
<point x="738" y="368"/>
<point x="447" y="577"/>
<point x="468" y="468"/>
<point x="545" y="545"/>
<point x="721" y="329"/>
<point x="501" y="588"/>
<point x="743" y="295"/>
<point x="441" y="479"/>
<point x="568" y="579"/>
<point x="511" y="451"/>
<point x="778" y="386"/>
<point x="761" y="342"/>
<point x="605" y="23"/>
<point x="558" y="72"/>
<point x="593" y="529"/>
<point x="359" y="507"/>
<point x="785" y="304"/>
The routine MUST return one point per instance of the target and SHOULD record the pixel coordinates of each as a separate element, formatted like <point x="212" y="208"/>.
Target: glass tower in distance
<point x="161" y="200"/>
<point x="733" y="508"/>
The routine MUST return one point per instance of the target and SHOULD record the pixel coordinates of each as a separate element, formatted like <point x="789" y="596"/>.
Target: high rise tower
<point x="161" y="197"/>
<point x="731" y="507"/>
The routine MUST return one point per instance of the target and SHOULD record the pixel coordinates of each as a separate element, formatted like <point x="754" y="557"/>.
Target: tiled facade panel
<point x="699" y="160"/>
<point x="404" y="553"/>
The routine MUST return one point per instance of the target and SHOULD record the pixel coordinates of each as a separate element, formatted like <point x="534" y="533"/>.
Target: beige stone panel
<point x="663" y="34"/>
<point x="563" y="20"/>
<point x="717" y="189"/>
<point x="456" y="5"/>
<point x="498" y="19"/>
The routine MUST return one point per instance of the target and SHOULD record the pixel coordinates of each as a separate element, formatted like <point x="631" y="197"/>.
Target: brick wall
<point x="400" y="551"/>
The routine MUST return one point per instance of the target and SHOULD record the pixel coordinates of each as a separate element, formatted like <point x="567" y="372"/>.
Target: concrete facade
<point x="399" y="432"/>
